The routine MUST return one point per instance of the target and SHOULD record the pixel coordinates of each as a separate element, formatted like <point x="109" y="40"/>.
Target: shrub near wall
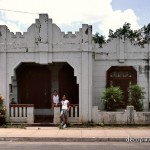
<point x="112" y="96"/>
<point x="136" y="97"/>
<point x="2" y="111"/>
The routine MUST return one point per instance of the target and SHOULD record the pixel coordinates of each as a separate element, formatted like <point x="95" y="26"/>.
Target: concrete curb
<point x="51" y="139"/>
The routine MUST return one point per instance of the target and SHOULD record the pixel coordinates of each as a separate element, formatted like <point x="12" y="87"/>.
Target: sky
<point x="69" y="15"/>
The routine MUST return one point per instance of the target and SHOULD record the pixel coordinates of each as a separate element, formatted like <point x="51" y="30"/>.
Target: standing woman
<point x="55" y="99"/>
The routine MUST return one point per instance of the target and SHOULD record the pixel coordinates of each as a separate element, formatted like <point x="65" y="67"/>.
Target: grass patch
<point x="101" y="125"/>
<point x="21" y="126"/>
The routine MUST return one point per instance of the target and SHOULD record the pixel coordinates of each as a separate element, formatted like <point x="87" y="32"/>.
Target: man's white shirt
<point x="64" y="104"/>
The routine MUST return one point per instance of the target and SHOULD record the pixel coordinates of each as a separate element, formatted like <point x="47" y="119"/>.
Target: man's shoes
<point x="64" y="126"/>
<point x="61" y="125"/>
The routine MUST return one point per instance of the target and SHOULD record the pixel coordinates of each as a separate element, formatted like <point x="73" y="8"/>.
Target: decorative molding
<point x="142" y="69"/>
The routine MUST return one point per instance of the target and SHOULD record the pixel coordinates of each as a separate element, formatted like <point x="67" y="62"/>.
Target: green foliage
<point x="2" y="119"/>
<point x="111" y="97"/>
<point x="136" y="97"/>
<point x="2" y="111"/>
<point x="140" y="37"/>
<point x="100" y="39"/>
<point x="125" y="30"/>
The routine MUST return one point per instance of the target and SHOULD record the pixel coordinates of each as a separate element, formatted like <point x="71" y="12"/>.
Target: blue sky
<point x="69" y="15"/>
<point x="140" y="7"/>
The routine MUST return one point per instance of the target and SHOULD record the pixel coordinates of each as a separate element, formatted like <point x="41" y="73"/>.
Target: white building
<point x="44" y="58"/>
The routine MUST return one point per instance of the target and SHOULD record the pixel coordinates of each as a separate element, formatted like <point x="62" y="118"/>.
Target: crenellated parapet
<point x="79" y="41"/>
<point x="121" y="49"/>
<point x="45" y="36"/>
<point x="10" y="42"/>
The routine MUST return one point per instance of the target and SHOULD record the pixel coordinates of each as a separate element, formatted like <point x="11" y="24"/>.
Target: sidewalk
<point x="54" y="134"/>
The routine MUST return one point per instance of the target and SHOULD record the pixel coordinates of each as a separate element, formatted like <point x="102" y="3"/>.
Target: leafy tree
<point x="100" y="39"/>
<point x="140" y="37"/>
<point x="125" y="30"/>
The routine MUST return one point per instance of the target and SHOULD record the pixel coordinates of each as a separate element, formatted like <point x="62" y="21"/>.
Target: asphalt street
<point x="72" y="146"/>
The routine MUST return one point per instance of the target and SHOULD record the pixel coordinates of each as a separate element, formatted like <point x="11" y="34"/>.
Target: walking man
<point x="65" y="106"/>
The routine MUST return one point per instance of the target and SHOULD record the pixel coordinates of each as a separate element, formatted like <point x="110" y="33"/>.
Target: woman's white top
<point x="56" y="99"/>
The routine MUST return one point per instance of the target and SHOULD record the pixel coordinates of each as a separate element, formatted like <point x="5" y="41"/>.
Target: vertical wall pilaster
<point x="50" y="40"/>
<point x="86" y="74"/>
<point x="3" y="55"/>
<point x="121" y="49"/>
<point x="143" y="81"/>
<point x="3" y="66"/>
<point x="85" y="88"/>
<point x="42" y="39"/>
<point x="149" y="76"/>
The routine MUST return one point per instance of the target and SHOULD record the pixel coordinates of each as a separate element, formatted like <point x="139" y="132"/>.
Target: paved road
<point x="72" y="146"/>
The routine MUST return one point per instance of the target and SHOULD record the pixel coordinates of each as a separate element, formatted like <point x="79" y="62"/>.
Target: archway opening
<point x="68" y="84"/>
<point x="36" y="83"/>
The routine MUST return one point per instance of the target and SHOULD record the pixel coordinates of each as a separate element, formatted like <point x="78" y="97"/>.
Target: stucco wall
<point x="44" y="43"/>
<point x="127" y="116"/>
<point x="120" y="52"/>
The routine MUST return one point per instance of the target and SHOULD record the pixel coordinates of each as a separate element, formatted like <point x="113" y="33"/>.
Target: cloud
<point x="116" y="20"/>
<point x="73" y="13"/>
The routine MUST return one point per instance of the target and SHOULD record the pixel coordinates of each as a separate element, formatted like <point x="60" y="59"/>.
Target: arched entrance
<point x="68" y="84"/>
<point x="122" y="76"/>
<point x="35" y="85"/>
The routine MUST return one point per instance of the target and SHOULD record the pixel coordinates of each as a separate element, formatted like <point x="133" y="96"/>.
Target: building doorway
<point x="34" y="87"/>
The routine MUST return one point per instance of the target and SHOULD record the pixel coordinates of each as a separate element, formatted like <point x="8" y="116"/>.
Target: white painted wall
<point x="45" y="43"/>
<point x="120" y="52"/>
